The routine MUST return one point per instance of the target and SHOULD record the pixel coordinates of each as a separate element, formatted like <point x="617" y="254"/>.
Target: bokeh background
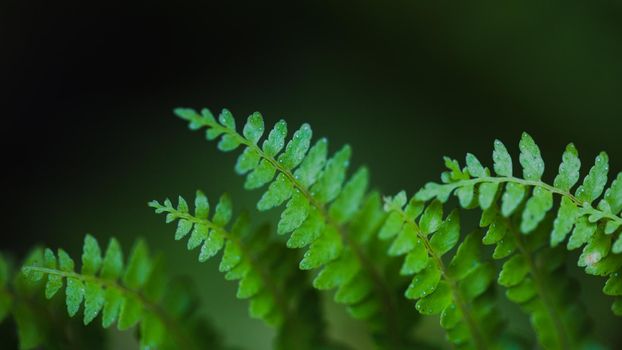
<point x="88" y="87"/>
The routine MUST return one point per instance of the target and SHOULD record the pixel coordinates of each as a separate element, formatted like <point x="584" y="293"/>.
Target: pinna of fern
<point x="461" y="291"/>
<point x="139" y="293"/>
<point x="319" y="212"/>
<point x="595" y="228"/>
<point x="534" y="276"/>
<point x="38" y="322"/>
<point x="267" y="273"/>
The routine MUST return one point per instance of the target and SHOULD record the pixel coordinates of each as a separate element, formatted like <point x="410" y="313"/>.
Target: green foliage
<point x="137" y="294"/>
<point x="330" y="215"/>
<point x="37" y="321"/>
<point x="459" y="291"/>
<point x="333" y="234"/>
<point x="534" y="277"/>
<point x="532" y="271"/>
<point x="266" y="271"/>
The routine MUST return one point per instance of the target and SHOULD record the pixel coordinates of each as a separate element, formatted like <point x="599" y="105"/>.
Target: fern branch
<point x="421" y="252"/>
<point x="167" y="320"/>
<point x="266" y="270"/>
<point x="592" y="227"/>
<point x="561" y="333"/>
<point x="38" y="323"/>
<point x="534" y="279"/>
<point x="238" y="250"/>
<point x="310" y="183"/>
<point x="143" y="297"/>
<point x="479" y="340"/>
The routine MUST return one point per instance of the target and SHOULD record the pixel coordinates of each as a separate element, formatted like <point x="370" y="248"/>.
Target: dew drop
<point x="592" y="258"/>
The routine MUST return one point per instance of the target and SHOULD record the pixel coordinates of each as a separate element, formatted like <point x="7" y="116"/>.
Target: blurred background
<point x="88" y="136"/>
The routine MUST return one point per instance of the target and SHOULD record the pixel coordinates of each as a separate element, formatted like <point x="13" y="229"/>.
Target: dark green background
<point x="88" y="136"/>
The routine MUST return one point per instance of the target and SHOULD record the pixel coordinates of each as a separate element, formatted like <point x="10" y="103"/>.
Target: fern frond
<point x="247" y="257"/>
<point x="266" y="271"/>
<point x="320" y="207"/>
<point x="461" y="290"/>
<point x="595" y="228"/>
<point x="31" y="328"/>
<point x="534" y="276"/>
<point x="39" y="323"/>
<point x="139" y="293"/>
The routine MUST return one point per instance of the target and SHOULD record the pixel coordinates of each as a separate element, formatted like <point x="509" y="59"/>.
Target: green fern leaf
<point x="294" y="215"/>
<point x="139" y="298"/>
<point x="613" y="196"/>
<point x="440" y="289"/>
<point x="311" y="167"/>
<point x="245" y="257"/>
<point x="569" y="169"/>
<point x="594" y="183"/>
<point x="617" y="245"/>
<point x="296" y="148"/>
<point x="512" y="198"/>
<point x="502" y="160"/>
<point x="447" y="235"/>
<point x="349" y="200"/>
<point x="276" y="139"/>
<point x="530" y="158"/>
<point x="321" y="202"/>
<point x="514" y="271"/>
<point x="329" y="184"/>
<point x="474" y="166"/>
<point x="532" y="199"/>
<point x="323" y="250"/>
<point x="566" y="218"/>
<point x="249" y="256"/>
<point x="536" y="208"/>
<point x="254" y="128"/>
<point x="112" y="265"/>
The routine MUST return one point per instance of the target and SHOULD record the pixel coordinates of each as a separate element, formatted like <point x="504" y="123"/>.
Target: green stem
<point x="380" y="284"/>
<point x="479" y="340"/>
<point x="534" y="183"/>
<point x="169" y="322"/>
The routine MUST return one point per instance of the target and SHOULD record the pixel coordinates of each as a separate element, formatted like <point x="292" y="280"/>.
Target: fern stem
<point x="533" y="183"/>
<point x="380" y="284"/>
<point x="183" y="340"/>
<point x="265" y="275"/>
<point x="479" y="341"/>
<point x="562" y="334"/>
